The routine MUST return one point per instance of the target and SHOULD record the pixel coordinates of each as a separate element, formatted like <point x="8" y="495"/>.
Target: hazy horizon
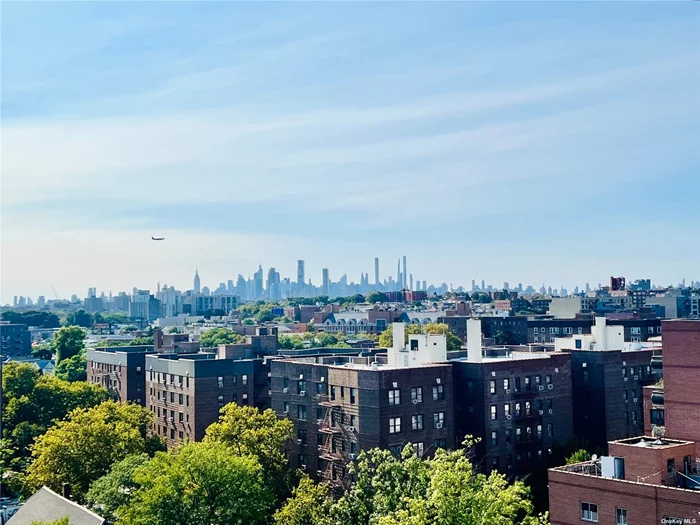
<point x="516" y="141"/>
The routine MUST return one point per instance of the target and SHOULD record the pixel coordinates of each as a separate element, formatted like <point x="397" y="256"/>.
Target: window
<point x="342" y="392"/>
<point x="180" y="399"/>
<point x="353" y="396"/>
<point x="528" y="408"/>
<point x="506" y="410"/>
<point x="550" y="430"/>
<point x="620" y="516"/>
<point x="548" y="379"/>
<point x="494" y="463"/>
<point x="286" y="407"/>
<point x="589" y="512"/>
<point x="507" y="436"/>
<point x="301" y="412"/>
<point x="527" y="384"/>
<point x="438" y="419"/>
<point x="332" y="393"/>
<point x="439" y="443"/>
<point x="518" y="435"/>
<point x="416" y="395"/>
<point x="244" y="398"/>
<point x="517" y="410"/>
<point x="394" y="425"/>
<point x="549" y="405"/>
<point x="395" y="450"/>
<point x="584" y="376"/>
<point x="539" y="431"/>
<point x="494" y="413"/>
<point x="506" y="384"/>
<point x="320" y="388"/>
<point x="301" y="385"/>
<point x="417" y="422"/>
<point x="419" y="449"/>
<point x="394" y="397"/>
<point x="537" y="330"/>
<point x="353" y="421"/>
<point x="470" y="387"/>
<point x="181" y="417"/>
<point x="580" y="330"/>
<point x="538" y="380"/>
<point x="301" y="435"/>
<point x="172" y="397"/>
<point x="492" y="387"/>
<point x="438" y="393"/>
<point x="494" y="438"/>
<point x="635" y="330"/>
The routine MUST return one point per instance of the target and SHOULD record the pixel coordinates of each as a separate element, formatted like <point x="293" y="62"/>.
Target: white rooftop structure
<point x="601" y="338"/>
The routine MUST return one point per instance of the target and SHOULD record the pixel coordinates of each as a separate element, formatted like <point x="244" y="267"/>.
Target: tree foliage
<point x="198" y="484"/>
<point x="386" y="338"/>
<point x="410" y="490"/>
<point x="72" y="369"/>
<point x="62" y="521"/>
<point x="115" y="489"/>
<point x="35" y="318"/>
<point x="80" y="318"/>
<point x="377" y="297"/>
<point x="83" y="447"/>
<point x="247" y="431"/>
<point x="68" y="341"/>
<point x="220" y="336"/>
<point x="579" y="456"/>
<point x="33" y="402"/>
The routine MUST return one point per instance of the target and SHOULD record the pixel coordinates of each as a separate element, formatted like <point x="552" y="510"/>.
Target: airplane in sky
<point x="157" y="238"/>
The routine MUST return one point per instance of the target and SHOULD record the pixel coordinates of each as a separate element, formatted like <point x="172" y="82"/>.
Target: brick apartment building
<point x="15" y="340"/>
<point x="186" y="391"/>
<point x="608" y="377"/>
<point x="648" y="479"/>
<point x="341" y="405"/>
<point x="518" y="403"/>
<point x="121" y="370"/>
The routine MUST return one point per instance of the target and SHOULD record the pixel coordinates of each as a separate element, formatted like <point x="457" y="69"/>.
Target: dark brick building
<point x="120" y="369"/>
<point x="519" y="405"/>
<point x="186" y="391"/>
<point x="341" y="405"/>
<point x="15" y="340"/>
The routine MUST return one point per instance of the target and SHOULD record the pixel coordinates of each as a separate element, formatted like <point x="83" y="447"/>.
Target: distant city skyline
<point x="515" y="141"/>
<point x="283" y="284"/>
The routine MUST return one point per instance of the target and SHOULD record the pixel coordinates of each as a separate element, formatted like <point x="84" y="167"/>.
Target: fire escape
<point x="338" y="439"/>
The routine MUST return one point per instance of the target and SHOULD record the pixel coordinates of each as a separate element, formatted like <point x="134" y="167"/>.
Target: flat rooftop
<point x="650" y="442"/>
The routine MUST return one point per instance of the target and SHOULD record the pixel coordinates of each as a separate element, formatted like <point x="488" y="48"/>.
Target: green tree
<point x="79" y="318"/>
<point x="44" y="351"/>
<point x="73" y="369"/>
<point x="68" y="341"/>
<point x="220" y="336"/>
<point x="386" y="338"/>
<point x="413" y="491"/>
<point x="579" y="456"/>
<point x="310" y="504"/>
<point x="32" y="403"/>
<point x="83" y="447"/>
<point x="32" y="318"/>
<point x="198" y="484"/>
<point x="141" y="341"/>
<point x="377" y="297"/>
<point x="61" y="521"/>
<point x="261" y="434"/>
<point x="115" y="489"/>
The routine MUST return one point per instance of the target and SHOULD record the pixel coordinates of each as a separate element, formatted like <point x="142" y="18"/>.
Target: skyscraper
<point x="197" y="288"/>
<point x="300" y="272"/>
<point x="258" y="283"/>
<point x="376" y="271"/>
<point x="326" y="282"/>
<point x="405" y="275"/>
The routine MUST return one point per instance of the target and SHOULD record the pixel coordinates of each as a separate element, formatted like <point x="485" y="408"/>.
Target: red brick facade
<point x="646" y="504"/>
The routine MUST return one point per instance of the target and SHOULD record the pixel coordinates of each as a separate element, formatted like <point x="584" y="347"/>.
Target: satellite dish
<point x="594" y="457"/>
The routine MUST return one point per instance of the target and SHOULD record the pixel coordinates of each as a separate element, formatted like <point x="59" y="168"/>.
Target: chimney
<point x="474" y="340"/>
<point x="398" y="333"/>
<point x="600" y="332"/>
<point x="66" y="490"/>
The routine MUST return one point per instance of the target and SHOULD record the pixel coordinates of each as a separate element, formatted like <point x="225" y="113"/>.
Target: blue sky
<point x="533" y="142"/>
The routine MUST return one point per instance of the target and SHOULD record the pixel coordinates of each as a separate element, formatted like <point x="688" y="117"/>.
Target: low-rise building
<point x="120" y="369"/>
